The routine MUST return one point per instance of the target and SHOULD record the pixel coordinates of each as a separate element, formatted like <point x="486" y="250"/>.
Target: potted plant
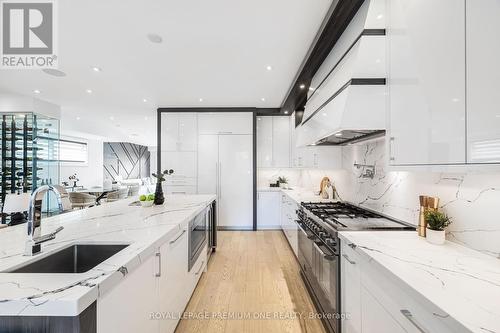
<point x="436" y="222"/>
<point x="283" y="182"/>
<point x="159" y="198"/>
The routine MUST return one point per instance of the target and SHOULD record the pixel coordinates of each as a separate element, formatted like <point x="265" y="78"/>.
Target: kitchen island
<point x="144" y="230"/>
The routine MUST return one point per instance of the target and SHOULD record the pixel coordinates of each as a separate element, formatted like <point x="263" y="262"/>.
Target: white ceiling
<point x="217" y="50"/>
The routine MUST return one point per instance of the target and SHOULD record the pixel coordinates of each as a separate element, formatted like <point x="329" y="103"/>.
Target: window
<point x="73" y="151"/>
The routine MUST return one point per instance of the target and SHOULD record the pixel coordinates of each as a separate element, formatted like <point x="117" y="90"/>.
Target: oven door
<point x="197" y="236"/>
<point x="326" y="271"/>
<point x="305" y="252"/>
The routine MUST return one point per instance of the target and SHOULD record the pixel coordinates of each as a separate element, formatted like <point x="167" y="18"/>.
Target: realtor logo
<point x="28" y="34"/>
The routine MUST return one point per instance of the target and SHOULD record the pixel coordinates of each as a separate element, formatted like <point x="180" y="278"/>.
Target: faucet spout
<point x="35" y="218"/>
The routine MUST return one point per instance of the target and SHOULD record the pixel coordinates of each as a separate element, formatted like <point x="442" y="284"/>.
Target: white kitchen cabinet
<point x="288" y="224"/>
<point x="483" y="74"/>
<point x="268" y="209"/>
<point x="139" y="291"/>
<point x="225" y="123"/>
<point x="426" y="82"/>
<point x="281" y="142"/>
<point x="273" y="142"/>
<point x="375" y="318"/>
<point x="173" y="291"/>
<point x="264" y="142"/>
<point x="183" y="163"/>
<point x="226" y="169"/>
<point x="351" y="292"/>
<point x="178" y="131"/>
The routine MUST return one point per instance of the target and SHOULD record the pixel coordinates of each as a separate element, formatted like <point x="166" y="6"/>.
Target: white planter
<point x="435" y="236"/>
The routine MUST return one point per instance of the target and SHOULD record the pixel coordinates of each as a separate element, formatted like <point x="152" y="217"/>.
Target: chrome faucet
<point x="33" y="243"/>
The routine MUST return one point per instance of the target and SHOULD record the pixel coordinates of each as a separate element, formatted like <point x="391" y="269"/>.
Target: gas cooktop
<point x="344" y="216"/>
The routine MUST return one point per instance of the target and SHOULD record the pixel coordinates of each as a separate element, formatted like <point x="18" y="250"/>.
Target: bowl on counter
<point x="147" y="203"/>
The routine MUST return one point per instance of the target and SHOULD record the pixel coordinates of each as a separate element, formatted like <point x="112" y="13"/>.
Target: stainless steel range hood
<point x="347" y="99"/>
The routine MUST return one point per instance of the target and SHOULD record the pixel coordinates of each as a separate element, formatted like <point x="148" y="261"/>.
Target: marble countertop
<point x="145" y="229"/>
<point x="463" y="283"/>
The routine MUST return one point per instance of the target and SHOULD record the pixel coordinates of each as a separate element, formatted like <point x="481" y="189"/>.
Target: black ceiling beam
<point x="333" y="29"/>
<point x="259" y="111"/>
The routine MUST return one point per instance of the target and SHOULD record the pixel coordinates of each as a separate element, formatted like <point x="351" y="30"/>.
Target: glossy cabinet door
<point x="426" y="82"/>
<point x="235" y="181"/>
<point x="264" y="142"/>
<point x="281" y="142"/>
<point x="208" y="165"/>
<point x="139" y="292"/>
<point x="483" y="81"/>
<point x="225" y="123"/>
<point x="178" y="131"/>
<point x="375" y="318"/>
<point x="173" y="292"/>
<point x="268" y="209"/>
<point x="351" y="284"/>
<point x="169" y="131"/>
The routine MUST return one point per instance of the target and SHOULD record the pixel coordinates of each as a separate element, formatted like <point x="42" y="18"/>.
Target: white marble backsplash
<point x="469" y="199"/>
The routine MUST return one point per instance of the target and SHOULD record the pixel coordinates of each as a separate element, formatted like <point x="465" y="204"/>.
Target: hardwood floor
<point x="253" y="277"/>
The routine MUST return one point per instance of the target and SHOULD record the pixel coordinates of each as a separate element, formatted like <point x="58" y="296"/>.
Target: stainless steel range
<point x="319" y="250"/>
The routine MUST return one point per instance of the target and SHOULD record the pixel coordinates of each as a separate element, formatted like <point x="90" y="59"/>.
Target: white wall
<point x="91" y="173"/>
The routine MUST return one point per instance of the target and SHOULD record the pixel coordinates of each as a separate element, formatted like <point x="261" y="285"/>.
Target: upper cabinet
<point x="273" y="142"/>
<point x="426" y="79"/>
<point x="225" y="123"/>
<point x="483" y="81"/>
<point x="443" y="80"/>
<point x="178" y="131"/>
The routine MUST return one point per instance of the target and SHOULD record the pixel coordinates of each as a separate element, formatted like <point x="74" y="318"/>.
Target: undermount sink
<point x="78" y="258"/>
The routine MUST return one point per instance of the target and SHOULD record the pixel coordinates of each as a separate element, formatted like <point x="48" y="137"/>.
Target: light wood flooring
<point x="253" y="276"/>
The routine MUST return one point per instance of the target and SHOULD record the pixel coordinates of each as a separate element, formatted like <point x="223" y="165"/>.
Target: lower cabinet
<point x="153" y="296"/>
<point x="374" y="301"/>
<point x="288" y="222"/>
<point x="268" y="209"/>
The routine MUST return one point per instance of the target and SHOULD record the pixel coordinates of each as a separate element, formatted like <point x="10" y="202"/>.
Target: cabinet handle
<point x="391" y="140"/>
<point x="220" y="177"/>
<point x="412" y="320"/>
<point x="158" y="255"/>
<point x="177" y="238"/>
<point x="201" y="268"/>
<point x="349" y="260"/>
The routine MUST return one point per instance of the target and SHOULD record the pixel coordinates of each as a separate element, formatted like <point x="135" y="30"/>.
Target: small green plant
<point x="161" y="177"/>
<point x="437" y="220"/>
<point x="282" y="180"/>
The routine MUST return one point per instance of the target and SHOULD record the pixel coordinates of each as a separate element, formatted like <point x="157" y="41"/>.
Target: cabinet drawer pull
<point x="349" y="260"/>
<point x="158" y="255"/>
<point x="177" y="238"/>
<point x="412" y="320"/>
<point x="201" y="268"/>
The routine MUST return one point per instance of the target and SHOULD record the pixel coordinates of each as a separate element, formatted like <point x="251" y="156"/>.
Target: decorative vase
<point x="159" y="198"/>
<point x="436" y="237"/>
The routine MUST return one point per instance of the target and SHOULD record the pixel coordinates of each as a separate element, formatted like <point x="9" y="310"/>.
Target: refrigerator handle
<point x="220" y="175"/>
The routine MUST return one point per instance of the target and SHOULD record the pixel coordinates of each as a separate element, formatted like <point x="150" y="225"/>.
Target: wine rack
<point x="30" y="154"/>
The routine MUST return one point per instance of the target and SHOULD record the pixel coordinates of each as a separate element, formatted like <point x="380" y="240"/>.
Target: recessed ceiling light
<point x="324" y="114"/>
<point x="144" y="100"/>
<point x="89" y="91"/>
<point x="111" y="118"/>
<point x="263" y="99"/>
<point x="201" y="99"/>
<point x="36" y="91"/>
<point x="96" y="69"/>
<point x="379" y="16"/>
<point x="78" y="118"/>
<point x="53" y="72"/>
<point x="454" y="100"/>
<point x="154" y="38"/>
<point x="259" y="119"/>
<point x="146" y="118"/>
<point x="269" y="67"/>
<point x="286" y="111"/>
<point x="302" y="86"/>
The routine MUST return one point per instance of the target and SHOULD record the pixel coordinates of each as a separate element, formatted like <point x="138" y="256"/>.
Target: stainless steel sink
<point x="78" y="258"/>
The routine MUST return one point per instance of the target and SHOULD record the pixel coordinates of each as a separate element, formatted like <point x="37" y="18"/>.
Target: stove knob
<point x="322" y="234"/>
<point x="330" y="241"/>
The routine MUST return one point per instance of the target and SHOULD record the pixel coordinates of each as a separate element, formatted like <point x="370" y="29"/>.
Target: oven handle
<point x="305" y="233"/>
<point x="329" y="257"/>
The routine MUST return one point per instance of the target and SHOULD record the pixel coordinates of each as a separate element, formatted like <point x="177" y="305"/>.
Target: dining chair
<point x="81" y="200"/>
